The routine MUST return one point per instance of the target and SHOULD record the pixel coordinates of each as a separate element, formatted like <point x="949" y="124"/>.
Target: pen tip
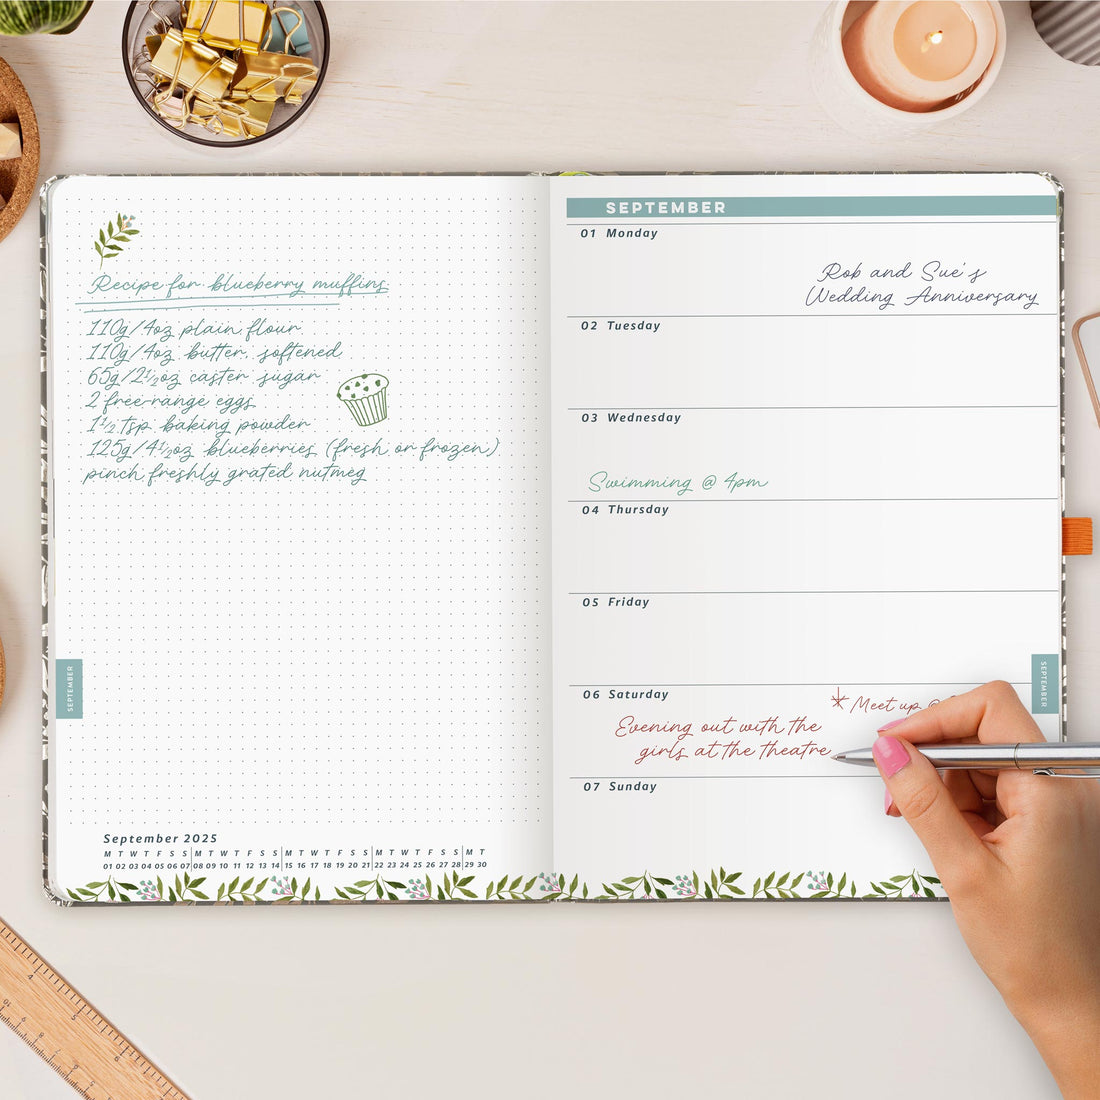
<point x="839" y="757"/>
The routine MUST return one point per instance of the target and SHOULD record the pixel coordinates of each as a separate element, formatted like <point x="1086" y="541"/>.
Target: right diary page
<point x="806" y="472"/>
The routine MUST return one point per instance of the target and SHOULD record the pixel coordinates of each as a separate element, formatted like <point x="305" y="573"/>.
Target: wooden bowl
<point x="17" y="177"/>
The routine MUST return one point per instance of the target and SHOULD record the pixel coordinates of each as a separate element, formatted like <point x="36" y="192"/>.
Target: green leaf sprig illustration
<point x="914" y="884"/>
<point x="119" y="230"/>
<point x="290" y="892"/>
<point x="369" y="888"/>
<point x="247" y="891"/>
<point x="823" y="885"/>
<point x="115" y="891"/>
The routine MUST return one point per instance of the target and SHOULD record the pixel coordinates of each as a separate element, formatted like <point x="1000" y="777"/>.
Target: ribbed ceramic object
<point x="1070" y="29"/>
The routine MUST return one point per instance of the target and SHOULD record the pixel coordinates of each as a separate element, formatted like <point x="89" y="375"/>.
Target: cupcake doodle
<point x="365" y="396"/>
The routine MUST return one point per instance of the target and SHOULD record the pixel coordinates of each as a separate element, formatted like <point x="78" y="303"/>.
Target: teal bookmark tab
<point x="69" y="688"/>
<point x="1045" y="691"/>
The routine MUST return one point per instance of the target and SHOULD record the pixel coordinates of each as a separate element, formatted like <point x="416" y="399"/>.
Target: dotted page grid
<point x="300" y="677"/>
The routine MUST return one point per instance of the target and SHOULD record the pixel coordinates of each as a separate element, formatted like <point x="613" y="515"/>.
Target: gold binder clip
<point x="235" y="118"/>
<point x="227" y="24"/>
<point x="193" y="66"/>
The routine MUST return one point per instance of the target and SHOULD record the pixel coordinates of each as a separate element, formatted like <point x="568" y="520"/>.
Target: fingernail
<point x="891" y="754"/>
<point x="887" y="803"/>
<point x="890" y="725"/>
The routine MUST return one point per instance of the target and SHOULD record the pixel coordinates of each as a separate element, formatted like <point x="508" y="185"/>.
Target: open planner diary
<point x="529" y="537"/>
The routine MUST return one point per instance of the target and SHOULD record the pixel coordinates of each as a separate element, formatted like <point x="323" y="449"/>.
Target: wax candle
<point x="919" y="56"/>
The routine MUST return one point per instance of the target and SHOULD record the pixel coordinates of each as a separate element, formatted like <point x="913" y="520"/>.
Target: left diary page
<point x="296" y="626"/>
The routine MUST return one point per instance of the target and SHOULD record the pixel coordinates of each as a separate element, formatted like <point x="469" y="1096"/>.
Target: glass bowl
<point x="145" y="19"/>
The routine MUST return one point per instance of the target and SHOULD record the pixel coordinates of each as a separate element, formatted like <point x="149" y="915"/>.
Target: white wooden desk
<point x="752" y="1000"/>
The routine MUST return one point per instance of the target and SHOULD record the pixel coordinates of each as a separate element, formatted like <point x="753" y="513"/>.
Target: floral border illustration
<point x="714" y="885"/>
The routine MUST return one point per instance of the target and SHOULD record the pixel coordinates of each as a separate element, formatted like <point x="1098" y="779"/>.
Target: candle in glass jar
<point x="916" y="56"/>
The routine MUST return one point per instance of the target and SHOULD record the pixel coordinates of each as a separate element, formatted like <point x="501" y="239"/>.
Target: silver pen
<point x="1065" y="759"/>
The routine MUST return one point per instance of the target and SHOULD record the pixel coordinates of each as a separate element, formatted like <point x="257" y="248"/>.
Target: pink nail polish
<point x="890" y="725"/>
<point x="887" y="803"/>
<point x="891" y="754"/>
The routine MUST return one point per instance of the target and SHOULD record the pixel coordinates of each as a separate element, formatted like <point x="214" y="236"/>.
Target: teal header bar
<point x="1045" y="686"/>
<point x="68" y="689"/>
<point x="814" y="206"/>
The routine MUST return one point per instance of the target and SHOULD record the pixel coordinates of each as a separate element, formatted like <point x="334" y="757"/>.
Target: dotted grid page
<point x="298" y="623"/>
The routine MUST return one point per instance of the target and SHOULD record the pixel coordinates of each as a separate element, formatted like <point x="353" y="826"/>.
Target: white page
<point x="853" y="509"/>
<point x="340" y="679"/>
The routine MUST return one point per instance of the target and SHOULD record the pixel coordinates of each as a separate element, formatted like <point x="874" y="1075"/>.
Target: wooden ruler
<point x="67" y="1033"/>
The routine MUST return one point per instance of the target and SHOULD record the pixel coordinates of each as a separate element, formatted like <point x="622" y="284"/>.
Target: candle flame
<point x="932" y="39"/>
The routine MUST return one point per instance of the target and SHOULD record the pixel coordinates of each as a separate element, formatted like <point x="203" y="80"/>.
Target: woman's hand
<point x="1019" y="857"/>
